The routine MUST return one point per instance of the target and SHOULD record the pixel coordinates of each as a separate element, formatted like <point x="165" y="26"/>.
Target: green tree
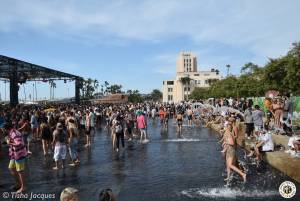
<point x="249" y="68"/>
<point x="106" y="84"/>
<point x="134" y="96"/>
<point x="200" y="93"/>
<point x="114" y="89"/>
<point x="156" y="95"/>
<point x="292" y="78"/>
<point x="96" y="84"/>
<point x="88" y="88"/>
<point x="282" y="74"/>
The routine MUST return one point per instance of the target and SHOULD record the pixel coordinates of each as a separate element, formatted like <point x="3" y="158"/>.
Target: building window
<point x="187" y="89"/>
<point x="206" y="81"/>
<point x="170" y="89"/>
<point x="170" y="97"/>
<point x="170" y="82"/>
<point x="196" y="74"/>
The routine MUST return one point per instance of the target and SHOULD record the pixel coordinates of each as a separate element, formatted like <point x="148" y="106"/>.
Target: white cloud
<point x="267" y="28"/>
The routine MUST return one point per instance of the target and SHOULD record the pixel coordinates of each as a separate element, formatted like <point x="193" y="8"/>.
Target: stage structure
<point x="18" y="72"/>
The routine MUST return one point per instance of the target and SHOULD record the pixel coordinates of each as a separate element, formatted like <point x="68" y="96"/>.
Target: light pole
<point x="5" y="90"/>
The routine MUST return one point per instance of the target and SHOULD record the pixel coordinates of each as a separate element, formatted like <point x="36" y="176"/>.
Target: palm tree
<point x="52" y="86"/>
<point x="102" y="89"/>
<point x="228" y="67"/>
<point x="106" y="84"/>
<point x="96" y="85"/>
<point x="185" y="81"/>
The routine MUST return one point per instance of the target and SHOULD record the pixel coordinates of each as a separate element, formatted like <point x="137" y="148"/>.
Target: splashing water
<point x="226" y="193"/>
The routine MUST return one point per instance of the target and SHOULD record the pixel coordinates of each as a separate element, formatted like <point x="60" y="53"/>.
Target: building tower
<point x="186" y="62"/>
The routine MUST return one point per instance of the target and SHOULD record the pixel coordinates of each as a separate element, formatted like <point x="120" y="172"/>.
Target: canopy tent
<point x="18" y="72"/>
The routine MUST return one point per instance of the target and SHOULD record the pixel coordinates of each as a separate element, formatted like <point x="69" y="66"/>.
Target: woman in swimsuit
<point x="231" y="152"/>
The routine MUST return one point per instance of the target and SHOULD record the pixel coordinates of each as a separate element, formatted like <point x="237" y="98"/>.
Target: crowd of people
<point x="60" y="127"/>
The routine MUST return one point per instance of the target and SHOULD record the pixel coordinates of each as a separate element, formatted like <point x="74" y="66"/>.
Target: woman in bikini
<point x="231" y="152"/>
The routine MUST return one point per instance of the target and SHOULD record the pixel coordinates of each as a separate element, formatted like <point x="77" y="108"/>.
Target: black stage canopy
<point x="18" y="72"/>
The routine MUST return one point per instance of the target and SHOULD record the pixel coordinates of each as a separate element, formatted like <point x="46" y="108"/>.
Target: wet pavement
<point x="169" y="167"/>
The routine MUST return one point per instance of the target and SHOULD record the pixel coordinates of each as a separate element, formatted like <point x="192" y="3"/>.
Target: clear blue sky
<point x="135" y="43"/>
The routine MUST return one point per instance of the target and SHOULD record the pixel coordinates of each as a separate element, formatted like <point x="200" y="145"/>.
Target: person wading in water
<point x="231" y="152"/>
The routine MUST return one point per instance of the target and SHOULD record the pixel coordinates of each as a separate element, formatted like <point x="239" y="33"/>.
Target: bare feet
<point x="21" y="190"/>
<point x="55" y="168"/>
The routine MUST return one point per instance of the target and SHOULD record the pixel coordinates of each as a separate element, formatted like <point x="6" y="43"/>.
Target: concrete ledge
<point x="278" y="159"/>
<point x="285" y="163"/>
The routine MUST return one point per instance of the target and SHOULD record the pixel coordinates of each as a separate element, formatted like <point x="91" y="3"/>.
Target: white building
<point x="187" y="78"/>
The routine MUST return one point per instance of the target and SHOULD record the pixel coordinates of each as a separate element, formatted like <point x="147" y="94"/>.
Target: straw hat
<point x="68" y="194"/>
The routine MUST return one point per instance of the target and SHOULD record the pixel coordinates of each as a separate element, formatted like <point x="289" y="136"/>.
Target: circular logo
<point x="287" y="189"/>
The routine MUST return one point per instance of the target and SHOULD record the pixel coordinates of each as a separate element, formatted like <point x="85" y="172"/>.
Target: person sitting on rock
<point x="294" y="146"/>
<point x="264" y="144"/>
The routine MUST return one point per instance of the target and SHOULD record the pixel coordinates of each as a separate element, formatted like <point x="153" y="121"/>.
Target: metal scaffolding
<point x="18" y="72"/>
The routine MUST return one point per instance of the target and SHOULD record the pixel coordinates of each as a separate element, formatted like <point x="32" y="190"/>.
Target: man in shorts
<point x="17" y="156"/>
<point x="190" y="116"/>
<point x="60" y="147"/>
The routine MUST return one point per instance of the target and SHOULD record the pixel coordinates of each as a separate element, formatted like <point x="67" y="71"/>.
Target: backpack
<point x="118" y="128"/>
